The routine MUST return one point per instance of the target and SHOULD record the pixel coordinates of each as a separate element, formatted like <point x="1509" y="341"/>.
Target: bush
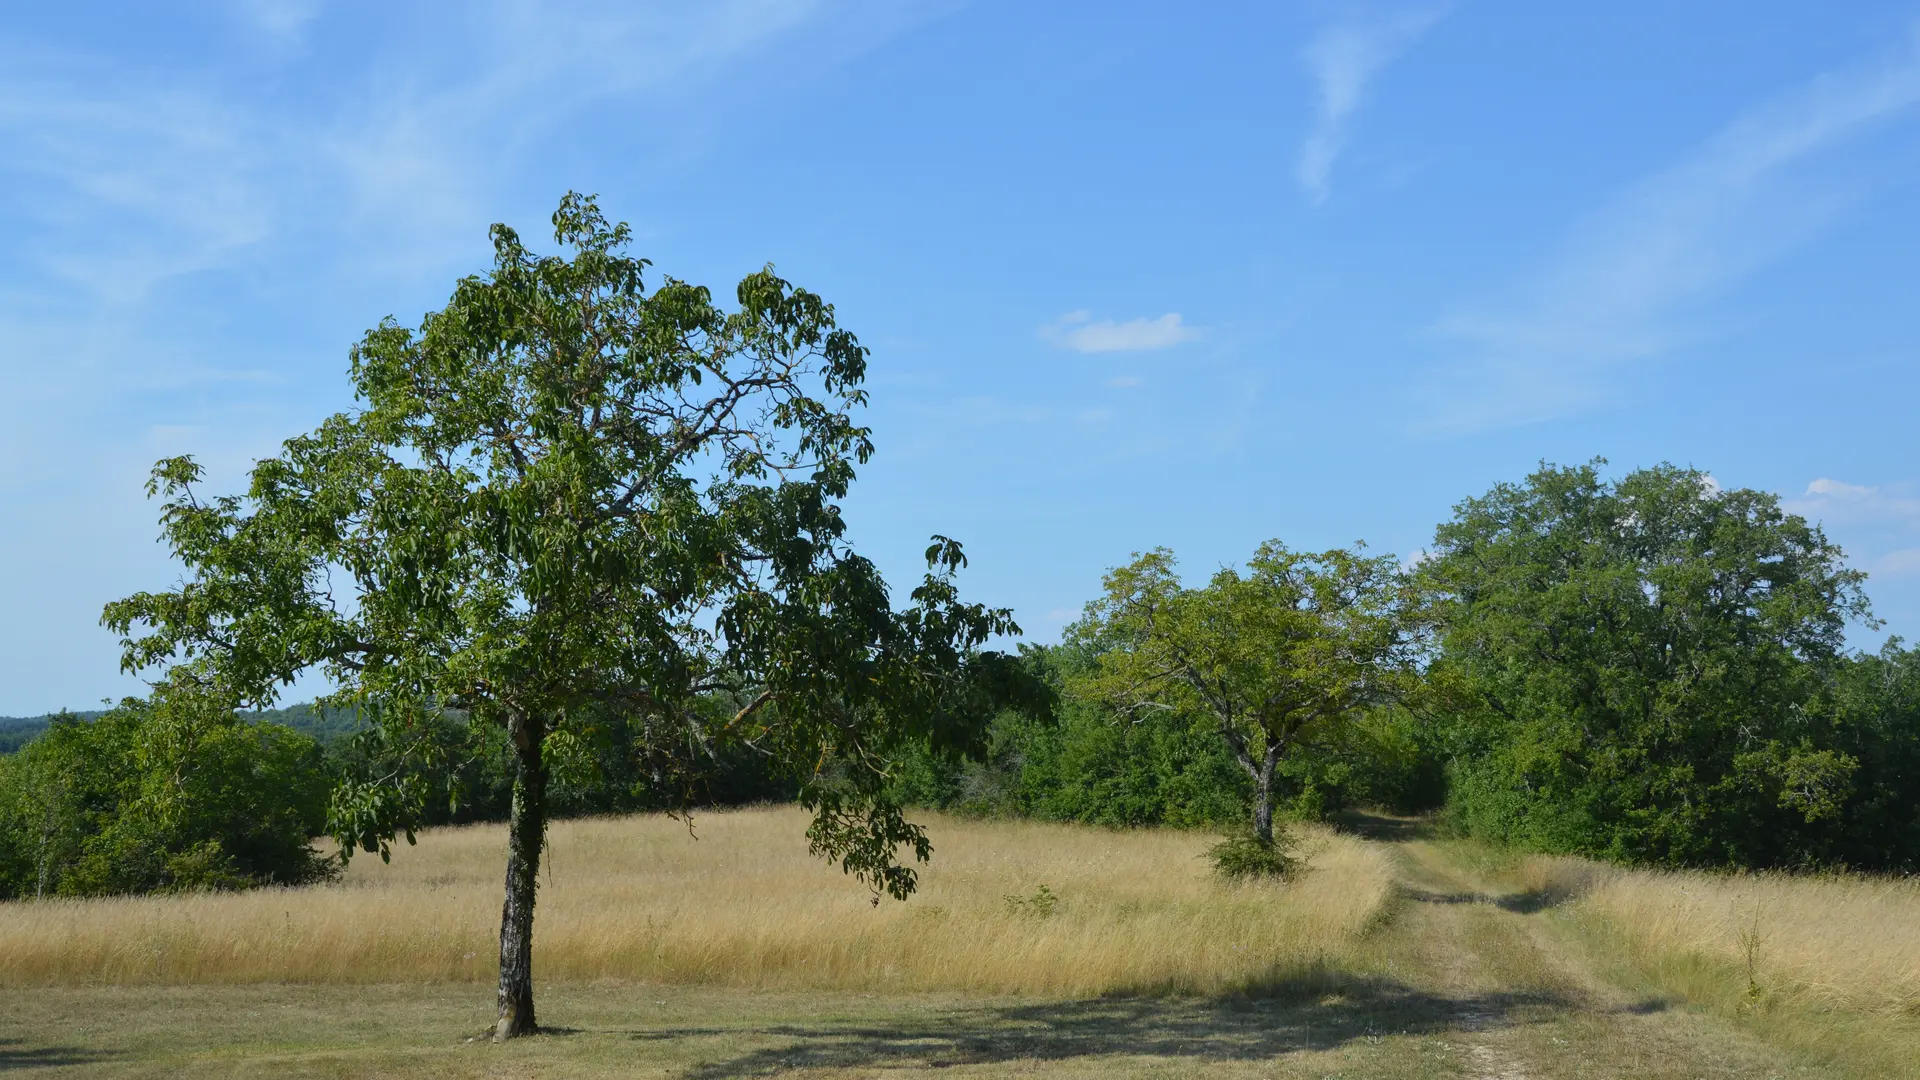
<point x="1244" y="856"/>
<point x="161" y="795"/>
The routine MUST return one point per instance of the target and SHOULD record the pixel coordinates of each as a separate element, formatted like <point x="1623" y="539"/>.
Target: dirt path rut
<point x="1529" y="1006"/>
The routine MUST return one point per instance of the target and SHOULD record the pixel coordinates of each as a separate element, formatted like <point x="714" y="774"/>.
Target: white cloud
<point x="1626" y="288"/>
<point x="1898" y="563"/>
<point x="1840" y="489"/>
<point x="138" y="182"/>
<point x="1076" y="330"/>
<point x="284" y="19"/>
<point x="129" y="171"/>
<point x="1827" y="499"/>
<point x="141" y="174"/>
<point x="1880" y="523"/>
<point x="1343" y="59"/>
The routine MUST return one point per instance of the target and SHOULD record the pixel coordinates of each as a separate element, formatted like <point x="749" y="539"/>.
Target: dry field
<point x="1808" y="941"/>
<point x="742" y="905"/>
<point x="739" y="955"/>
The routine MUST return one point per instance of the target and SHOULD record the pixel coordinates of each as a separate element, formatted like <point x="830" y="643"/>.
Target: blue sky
<point x="1133" y="275"/>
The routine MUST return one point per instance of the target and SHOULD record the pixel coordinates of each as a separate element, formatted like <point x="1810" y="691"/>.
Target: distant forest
<point x="324" y="726"/>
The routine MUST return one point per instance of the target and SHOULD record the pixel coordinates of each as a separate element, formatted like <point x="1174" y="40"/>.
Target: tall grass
<point x="744" y="905"/>
<point x="1825" y="942"/>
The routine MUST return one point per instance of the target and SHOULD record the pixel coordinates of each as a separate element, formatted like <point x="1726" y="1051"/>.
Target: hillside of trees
<point x="323" y="725"/>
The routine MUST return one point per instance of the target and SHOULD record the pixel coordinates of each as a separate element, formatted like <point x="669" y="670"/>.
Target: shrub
<point x="1244" y="856"/>
<point x="161" y="795"/>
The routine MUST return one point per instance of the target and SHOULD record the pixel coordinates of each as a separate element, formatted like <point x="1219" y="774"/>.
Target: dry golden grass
<point x="744" y="905"/>
<point x="1826" y="942"/>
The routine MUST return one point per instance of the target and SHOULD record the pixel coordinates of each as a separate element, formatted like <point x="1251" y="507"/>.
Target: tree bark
<point x="1262" y="774"/>
<point x="1263" y="807"/>
<point x="526" y="834"/>
<point x="1263" y="792"/>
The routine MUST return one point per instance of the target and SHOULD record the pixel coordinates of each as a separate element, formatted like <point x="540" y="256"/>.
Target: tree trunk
<point x="1262" y="774"/>
<point x="1263" y="792"/>
<point x="526" y="833"/>
<point x="1263" y="807"/>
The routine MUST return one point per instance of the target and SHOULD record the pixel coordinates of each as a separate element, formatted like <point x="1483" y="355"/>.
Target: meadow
<point x="1004" y="908"/>
<point x="1827" y="964"/>
<point x="1031" y="948"/>
<point x="1819" y="942"/>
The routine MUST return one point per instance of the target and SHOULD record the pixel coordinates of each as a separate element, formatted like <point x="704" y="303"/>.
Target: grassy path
<point x="1530" y="1007"/>
<point x="1465" y="981"/>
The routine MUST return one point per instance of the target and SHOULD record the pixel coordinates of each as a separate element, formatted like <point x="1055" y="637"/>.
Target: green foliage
<point x="328" y="727"/>
<point x="1085" y="762"/>
<point x="1076" y="760"/>
<point x="1384" y="757"/>
<point x="1101" y="768"/>
<point x="465" y="773"/>
<point x="1858" y="795"/>
<point x="569" y="499"/>
<point x="1637" y="669"/>
<point x="18" y="731"/>
<point x="589" y="519"/>
<point x="1246" y="856"/>
<point x="1040" y="905"/>
<point x="164" y="794"/>
<point x="1268" y="662"/>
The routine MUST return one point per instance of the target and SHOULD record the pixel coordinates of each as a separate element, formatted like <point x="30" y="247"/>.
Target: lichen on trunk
<point x="526" y="833"/>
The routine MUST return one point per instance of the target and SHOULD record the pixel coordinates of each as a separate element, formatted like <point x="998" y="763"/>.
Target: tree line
<point x="1648" y="670"/>
<point x="579" y="548"/>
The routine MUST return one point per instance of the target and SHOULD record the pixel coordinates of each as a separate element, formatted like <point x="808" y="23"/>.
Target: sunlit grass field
<point x="740" y="902"/>
<point x="1817" y="942"/>
<point x="733" y="952"/>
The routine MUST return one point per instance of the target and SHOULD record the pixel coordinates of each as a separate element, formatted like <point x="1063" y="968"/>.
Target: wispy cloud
<point x="1880" y="522"/>
<point x="1076" y="330"/>
<point x="138" y="174"/>
<point x="1342" y="59"/>
<point x="1624" y="288"/>
<point x="1902" y="563"/>
<point x="179" y="219"/>
<point x="1827" y="499"/>
<point x="125" y="176"/>
<point x="130" y="180"/>
<point x="283" y="19"/>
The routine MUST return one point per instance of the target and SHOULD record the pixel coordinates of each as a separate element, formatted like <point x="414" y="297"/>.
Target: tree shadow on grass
<point x="1372" y="825"/>
<point x="1523" y="903"/>
<point x="1331" y="1013"/>
<point x="15" y="1054"/>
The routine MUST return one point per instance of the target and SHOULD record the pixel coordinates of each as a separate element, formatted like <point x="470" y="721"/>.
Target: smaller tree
<point x="1268" y="660"/>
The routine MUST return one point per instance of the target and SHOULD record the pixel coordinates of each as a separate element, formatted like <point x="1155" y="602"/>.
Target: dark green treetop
<point x="1636" y="660"/>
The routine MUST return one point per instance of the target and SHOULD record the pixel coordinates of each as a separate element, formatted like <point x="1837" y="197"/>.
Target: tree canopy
<point x="1266" y="661"/>
<point x="1638" y="663"/>
<point x="575" y="510"/>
